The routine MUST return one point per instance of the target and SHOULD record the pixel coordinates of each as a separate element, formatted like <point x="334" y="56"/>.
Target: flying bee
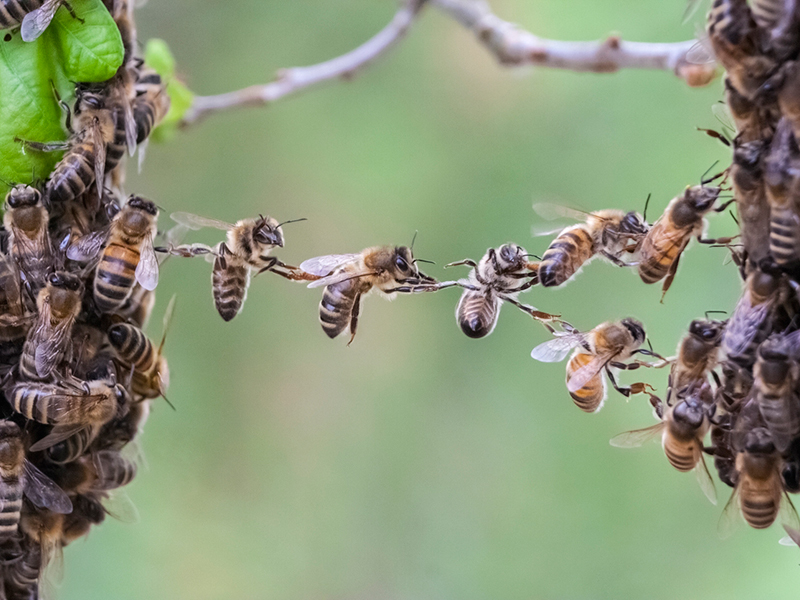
<point x="776" y="374"/>
<point x="50" y="339"/>
<point x="127" y="257"/>
<point x="601" y="349"/>
<point x="26" y="220"/>
<point x="752" y="318"/>
<point x="607" y="233"/>
<point x="349" y="277"/>
<point x="747" y="176"/>
<point x="248" y="246"/>
<point x="19" y="476"/>
<point x="697" y="356"/>
<point x="682" y="429"/>
<point x="500" y="276"/>
<point x="683" y="219"/>
<point x="740" y="46"/>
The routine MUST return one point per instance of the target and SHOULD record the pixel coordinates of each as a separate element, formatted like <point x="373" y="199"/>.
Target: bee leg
<point x="467" y="261"/>
<point x="725" y="205"/>
<point x="71" y="10"/>
<point x="43" y="146"/>
<point x="272" y="262"/>
<point x="617" y="261"/>
<point x="670" y="277"/>
<point x="354" y="317"/>
<point x="724" y="241"/>
<point x="536" y="314"/>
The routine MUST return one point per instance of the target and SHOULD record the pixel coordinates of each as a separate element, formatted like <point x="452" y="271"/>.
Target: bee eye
<point x="401" y="263"/>
<point x="54" y="279"/>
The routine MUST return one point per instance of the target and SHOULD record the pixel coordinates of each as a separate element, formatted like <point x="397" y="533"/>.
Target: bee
<point x="19" y="476"/>
<point x="68" y="406"/>
<point x="44" y="529"/>
<point x="87" y="511"/>
<point x="782" y="186"/>
<point x="740" y="46"/>
<point x="150" y="369"/>
<point x="724" y="455"/>
<point x="759" y="493"/>
<point x="34" y="15"/>
<point x="249" y="243"/>
<point x="752" y="318"/>
<point x="682" y="429"/>
<point x="21" y="575"/>
<point x="124" y="428"/>
<point x="697" y="355"/>
<point x="112" y="470"/>
<point x="683" y="219"/>
<point x="607" y="233"/>
<point x="150" y="105"/>
<point x="349" y="277"/>
<point x="128" y="256"/>
<point x="603" y="348"/>
<point x="49" y="341"/>
<point x="14" y="320"/>
<point x="753" y="120"/>
<point x="747" y="175"/>
<point x="500" y="276"/>
<point x="776" y="374"/>
<point x="779" y="19"/>
<point x="26" y="220"/>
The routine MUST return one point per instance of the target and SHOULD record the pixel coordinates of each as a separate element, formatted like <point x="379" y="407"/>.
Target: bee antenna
<point x="291" y="221"/>
<point x="703" y="179"/>
<point x="716" y="312"/>
<point x="646" y="203"/>
<point x="733" y="216"/>
<point x="422" y="260"/>
<point x="536" y="256"/>
<point x="171" y="405"/>
<point x="414" y="239"/>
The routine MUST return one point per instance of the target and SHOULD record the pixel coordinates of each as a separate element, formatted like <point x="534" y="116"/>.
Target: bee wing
<point x="744" y="325"/>
<point x="196" y="222"/>
<point x="792" y="538"/>
<point x="339" y="277"/>
<point x="556" y="350"/>
<point x="549" y="211"/>
<point x="59" y="433"/>
<point x="130" y="125"/>
<point x="723" y="115"/>
<point x="120" y="506"/>
<point x="147" y="269"/>
<point x="36" y="21"/>
<point x="788" y="513"/>
<point x="43" y="491"/>
<point x="731" y="518"/>
<point x="704" y="479"/>
<point x="52" y="342"/>
<point x="543" y="229"/>
<point x="691" y="9"/>
<point x="637" y="437"/>
<point x="99" y="158"/>
<point x="325" y="265"/>
<point x="701" y="53"/>
<point x="587" y="372"/>
<point x="87" y="246"/>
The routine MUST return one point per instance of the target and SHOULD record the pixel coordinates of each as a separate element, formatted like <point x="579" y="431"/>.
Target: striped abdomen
<point x="13" y="11"/>
<point x="758" y="501"/>
<point x="21" y="577"/>
<point x="784" y="236"/>
<point x="659" y="252"/>
<point x="34" y="258"/>
<point x="115" y="276"/>
<point x="680" y="454"/>
<point x="336" y="306"/>
<point x="565" y="256"/>
<point x="10" y="305"/>
<point x="73" y="447"/>
<point x="781" y="419"/>
<point x="477" y="313"/>
<point x="73" y="174"/>
<point x="116" y="149"/>
<point x="56" y="405"/>
<point x="230" y="280"/>
<point x="138" y="306"/>
<point x="767" y="13"/>
<point x="11" y="489"/>
<point x="132" y="346"/>
<point x="113" y="470"/>
<point x="591" y="396"/>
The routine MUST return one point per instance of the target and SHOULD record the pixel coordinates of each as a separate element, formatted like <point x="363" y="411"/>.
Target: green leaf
<point x="158" y="56"/>
<point x="68" y="51"/>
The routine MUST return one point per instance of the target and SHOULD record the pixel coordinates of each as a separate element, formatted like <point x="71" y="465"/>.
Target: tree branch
<point x="513" y="46"/>
<point x="295" y="79"/>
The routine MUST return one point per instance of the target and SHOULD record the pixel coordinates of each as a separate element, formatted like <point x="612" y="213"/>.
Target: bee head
<point x="268" y="232"/>
<point x="65" y="281"/>
<point x="140" y="203"/>
<point x="707" y="330"/>
<point x="511" y="256"/>
<point x="690" y="411"/>
<point x="23" y="195"/>
<point x="89" y="99"/>
<point x="403" y="262"/>
<point x="759" y="441"/>
<point x="633" y="223"/>
<point x="635" y="328"/>
<point x="764" y="281"/>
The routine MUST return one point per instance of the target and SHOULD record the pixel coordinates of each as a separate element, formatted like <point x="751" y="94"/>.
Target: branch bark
<point x="513" y="46"/>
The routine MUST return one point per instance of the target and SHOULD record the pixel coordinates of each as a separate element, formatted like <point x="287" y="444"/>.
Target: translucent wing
<point x="147" y="269"/>
<point x="705" y="481"/>
<point x="58" y="434"/>
<point x="99" y="158"/>
<point x="701" y="53"/>
<point x="88" y="246"/>
<point x="119" y="505"/>
<point x="142" y="152"/>
<point x="36" y="21"/>
<point x="130" y="126"/>
<point x="744" y="325"/>
<point x="792" y="538"/>
<point x="43" y="491"/>
<point x="587" y="372"/>
<point x="556" y="211"/>
<point x="542" y="229"/>
<point x="788" y="514"/>
<point x="691" y="9"/>
<point x="339" y="277"/>
<point x="731" y="518"/>
<point x="325" y="265"/>
<point x="723" y="115"/>
<point x="52" y="342"/>
<point x="637" y="437"/>
<point x="196" y="222"/>
<point x="556" y="350"/>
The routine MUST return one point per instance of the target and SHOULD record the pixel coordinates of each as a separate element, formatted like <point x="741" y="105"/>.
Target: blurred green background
<point x="417" y="463"/>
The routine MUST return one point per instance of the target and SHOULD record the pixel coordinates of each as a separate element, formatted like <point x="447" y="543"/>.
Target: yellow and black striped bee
<point x="602" y="349"/>
<point x="26" y="220"/>
<point x="150" y="105"/>
<point x="776" y="375"/>
<point x="697" y="356"/>
<point x="609" y="234"/>
<point x="349" y="277"/>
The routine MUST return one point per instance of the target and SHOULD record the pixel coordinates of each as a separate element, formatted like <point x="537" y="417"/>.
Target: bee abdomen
<point x="565" y="256"/>
<point x="477" y="313"/>
<point x="115" y="276"/>
<point x="132" y="345"/>
<point x="114" y="471"/>
<point x="657" y="260"/>
<point x="759" y="510"/>
<point x="680" y="457"/>
<point x="73" y="447"/>
<point x="116" y="149"/>
<point x="590" y="397"/>
<point x="22" y="576"/>
<point x="336" y="307"/>
<point x="784" y="237"/>
<point x="13" y="11"/>
<point x="229" y="285"/>
<point x="73" y="174"/>
<point x="11" y="502"/>
<point x="777" y="414"/>
<point x="33" y="404"/>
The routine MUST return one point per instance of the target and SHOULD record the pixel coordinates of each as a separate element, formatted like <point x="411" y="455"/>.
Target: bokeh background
<point x="417" y="463"/>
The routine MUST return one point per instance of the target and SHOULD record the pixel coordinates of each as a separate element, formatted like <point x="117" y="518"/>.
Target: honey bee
<point x="602" y="348"/>
<point x="150" y="105"/>
<point x="740" y="46"/>
<point x="249" y="243"/>
<point x="19" y="476"/>
<point x="751" y="200"/>
<point x="682" y="429"/>
<point x="753" y="120"/>
<point x="683" y="219"/>
<point x="44" y="529"/>
<point x="68" y="406"/>
<point x="724" y="455"/>
<point x="782" y="186"/>
<point x="499" y="277"/>
<point x="776" y="374"/>
<point x="34" y="15"/>
<point x="49" y="341"/>
<point x="779" y="19"/>
<point x="113" y="470"/>
<point x="87" y="511"/>
<point x="127" y="257"/>
<point x="14" y="321"/>
<point x="124" y="428"/>
<point x="606" y="233"/>
<point x="697" y="356"/>
<point x="349" y="277"/>
<point x="21" y="575"/>
<point x="752" y="318"/>
<point x="26" y="220"/>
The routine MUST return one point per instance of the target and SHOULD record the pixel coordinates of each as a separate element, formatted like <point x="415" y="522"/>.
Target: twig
<point x="514" y="46"/>
<point x="295" y="79"/>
